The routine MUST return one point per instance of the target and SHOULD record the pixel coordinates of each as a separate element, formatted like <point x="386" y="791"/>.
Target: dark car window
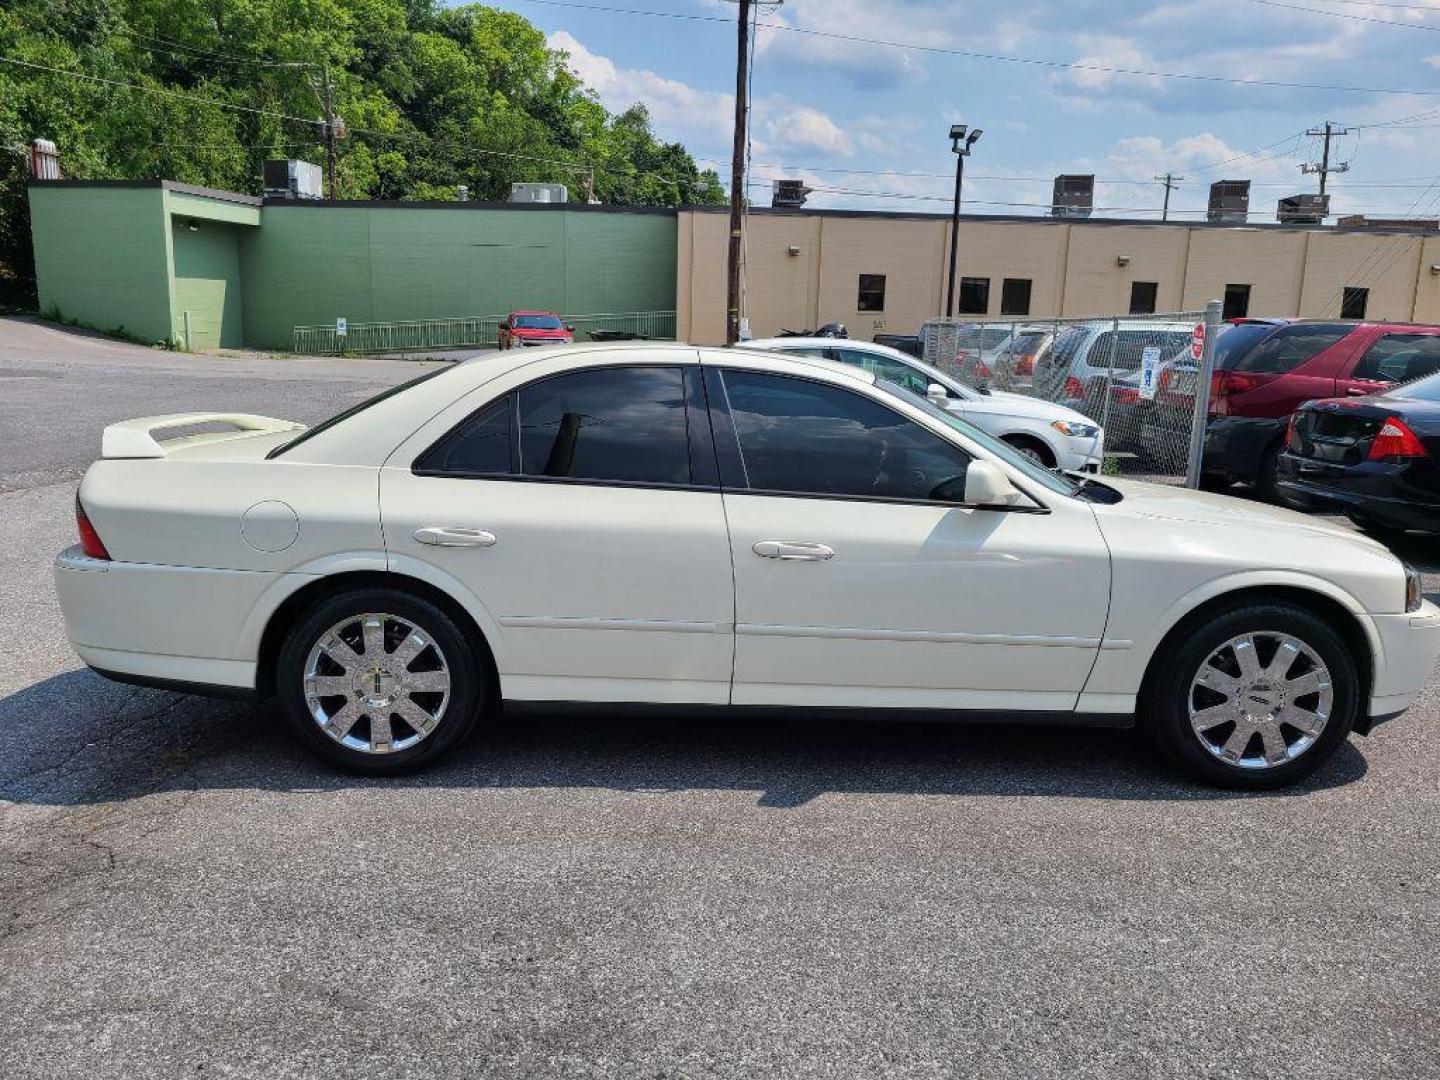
<point x="478" y="447"/>
<point x="809" y="438"/>
<point x="1425" y="390"/>
<point x="536" y="322"/>
<point x="885" y="367"/>
<point x="1398" y="358"/>
<point x="609" y="424"/>
<point x="1290" y="346"/>
<point x="1235" y="339"/>
<point x="1133" y="343"/>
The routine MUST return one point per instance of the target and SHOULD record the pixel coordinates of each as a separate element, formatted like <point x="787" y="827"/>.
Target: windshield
<point x="1051" y="480"/>
<point x="355" y="410"/>
<point x="536" y="322"/>
<point x="1426" y="389"/>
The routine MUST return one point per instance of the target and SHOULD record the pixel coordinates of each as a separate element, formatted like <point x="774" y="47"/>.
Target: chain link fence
<point x="418" y="335"/>
<point x="1134" y="375"/>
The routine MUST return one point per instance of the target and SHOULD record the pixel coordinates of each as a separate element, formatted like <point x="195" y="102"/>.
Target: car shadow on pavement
<point x="76" y="739"/>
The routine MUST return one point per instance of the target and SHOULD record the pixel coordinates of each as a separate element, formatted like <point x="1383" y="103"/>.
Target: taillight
<point x="1025" y="365"/>
<point x="1126" y="395"/>
<point x="982" y="369"/>
<point x="90" y="541"/>
<point x="1226" y="384"/>
<point x="1290" y="439"/>
<point x="1163" y="383"/>
<point x="1395" y="440"/>
<point x="1074" y="388"/>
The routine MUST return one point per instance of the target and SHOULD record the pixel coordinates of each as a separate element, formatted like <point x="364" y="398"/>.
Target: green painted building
<point x="206" y="269"/>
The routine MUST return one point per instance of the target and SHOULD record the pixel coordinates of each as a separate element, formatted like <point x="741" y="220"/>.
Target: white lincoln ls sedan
<point x="717" y="527"/>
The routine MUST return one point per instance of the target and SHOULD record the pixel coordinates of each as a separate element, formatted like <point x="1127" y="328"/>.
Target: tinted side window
<point x="615" y="424"/>
<point x="478" y="447"/>
<point x="809" y="438"/>
<point x="885" y="368"/>
<point x="1398" y="358"/>
<point x="1290" y="346"/>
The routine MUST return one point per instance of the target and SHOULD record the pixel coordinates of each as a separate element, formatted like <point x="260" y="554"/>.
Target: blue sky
<point x="858" y="117"/>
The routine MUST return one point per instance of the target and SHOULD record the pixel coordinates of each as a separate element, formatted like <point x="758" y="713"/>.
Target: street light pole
<point x="960" y="144"/>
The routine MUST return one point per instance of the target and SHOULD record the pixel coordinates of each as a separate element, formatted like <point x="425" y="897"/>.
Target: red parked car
<point x="1253" y="391"/>
<point x="535" y="328"/>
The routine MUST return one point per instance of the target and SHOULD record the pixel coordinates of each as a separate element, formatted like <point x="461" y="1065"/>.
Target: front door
<point x="858" y="585"/>
<point x="574" y="510"/>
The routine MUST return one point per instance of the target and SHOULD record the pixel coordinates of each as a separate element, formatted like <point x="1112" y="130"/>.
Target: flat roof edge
<point x="218" y="194"/>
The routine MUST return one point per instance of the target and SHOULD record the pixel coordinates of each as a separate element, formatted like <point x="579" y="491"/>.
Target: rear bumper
<point x="159" y="623"/>
<point x="1409" y="648"/>
<point x="1236" y="445"/>
<point x="1370" y="490"/>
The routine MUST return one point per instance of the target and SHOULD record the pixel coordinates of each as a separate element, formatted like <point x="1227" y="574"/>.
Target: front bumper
<point x="1409" y="648"/>
<point x="1081" y="455"/>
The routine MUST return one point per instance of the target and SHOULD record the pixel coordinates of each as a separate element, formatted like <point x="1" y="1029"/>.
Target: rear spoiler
<point x="136" y="439"/>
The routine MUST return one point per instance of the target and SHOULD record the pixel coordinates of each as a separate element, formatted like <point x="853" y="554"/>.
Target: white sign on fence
<point x="1149" y="366"/>
<point x="341" y="328"/>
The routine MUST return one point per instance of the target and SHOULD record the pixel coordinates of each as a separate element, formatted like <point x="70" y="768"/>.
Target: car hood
<point x="1172" y="503"/>
<point x="999" y="401"/>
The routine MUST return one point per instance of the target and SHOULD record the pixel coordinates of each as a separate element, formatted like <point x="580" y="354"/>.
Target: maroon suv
<point x="1253" y="391"/>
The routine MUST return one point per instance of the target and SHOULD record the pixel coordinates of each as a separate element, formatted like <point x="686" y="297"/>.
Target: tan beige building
<point x="887" y="272"/>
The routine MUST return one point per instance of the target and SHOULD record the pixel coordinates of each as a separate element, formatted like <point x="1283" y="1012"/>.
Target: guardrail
<point x="471" y="332"/>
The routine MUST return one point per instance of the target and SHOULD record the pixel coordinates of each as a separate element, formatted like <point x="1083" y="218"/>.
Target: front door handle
<point x="440" y="536"/>
<point x="792" y="550"/>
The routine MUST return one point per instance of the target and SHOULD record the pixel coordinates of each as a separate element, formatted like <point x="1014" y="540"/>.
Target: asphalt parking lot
<point x="183" y="891"/>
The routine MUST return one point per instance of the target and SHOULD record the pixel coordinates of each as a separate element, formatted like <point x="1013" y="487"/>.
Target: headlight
<point x="1078" y="431"/>
<point x="1413" y="597"/>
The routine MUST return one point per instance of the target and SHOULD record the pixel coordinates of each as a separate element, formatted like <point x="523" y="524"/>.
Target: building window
<point x="872" y="293"/>
<point x="1237" y="301"/>
<point x="974" y="295"/>
<point x="1015" y="296"/>
<point x="1142" y="297"/>
<point x="1353" y="302"/>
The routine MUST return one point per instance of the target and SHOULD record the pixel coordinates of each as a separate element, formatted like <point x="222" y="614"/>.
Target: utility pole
<point x="1329" y="131"/>
<point x="329" y="126"/>
<point x="1169" y="181"/>
<point x="737" y="177"/>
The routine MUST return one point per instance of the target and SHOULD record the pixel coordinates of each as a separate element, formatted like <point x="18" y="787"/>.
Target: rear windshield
<point x="1023" y="343"/>
<point x="1287" y="347"/>
<point x="355" y="410"/>
<point x="984" y="338"/>
<point x="1133" y="344"/>
<point x="1236" y="339"/>
<point x="536" y="322"/>
<point x="1426" y="389"/>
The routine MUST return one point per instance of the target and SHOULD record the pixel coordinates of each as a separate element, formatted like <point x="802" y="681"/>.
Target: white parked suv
<point x="688" y="527"/>
<point x="1054" y="435"/>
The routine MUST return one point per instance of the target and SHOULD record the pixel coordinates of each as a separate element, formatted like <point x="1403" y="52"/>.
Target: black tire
<point x="469" y="689"/>
<point x="1033" y="448"/>
<point x="1214" y="482"/>
<point x="1266" y="474"/>
<point x="1165" y="708"/>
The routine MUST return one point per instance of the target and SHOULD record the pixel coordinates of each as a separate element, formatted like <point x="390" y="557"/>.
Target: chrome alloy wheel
<point x="1260" y="700"/>
<point x="376" y="683"/>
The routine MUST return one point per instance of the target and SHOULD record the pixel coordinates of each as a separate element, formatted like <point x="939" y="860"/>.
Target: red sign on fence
<point x="1197" y="341"/>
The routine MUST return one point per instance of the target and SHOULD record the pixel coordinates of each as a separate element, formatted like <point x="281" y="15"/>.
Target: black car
<point x="1374" y="458"/>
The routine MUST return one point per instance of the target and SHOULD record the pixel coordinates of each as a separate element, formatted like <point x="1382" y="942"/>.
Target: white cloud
<point x="804" y="128"/>
<point x="678" y="110"/>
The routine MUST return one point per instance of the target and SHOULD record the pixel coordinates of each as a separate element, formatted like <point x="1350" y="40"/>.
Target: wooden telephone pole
<point x="737" y="177"/>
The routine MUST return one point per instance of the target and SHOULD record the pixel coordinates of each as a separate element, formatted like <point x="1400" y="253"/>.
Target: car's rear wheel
<point x="1254" y="698"/>
<point x="379" y="682"/>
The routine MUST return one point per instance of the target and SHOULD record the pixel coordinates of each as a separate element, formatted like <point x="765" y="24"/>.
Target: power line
<point x="1350" y="16"/>
<point x="1034" y="61"/>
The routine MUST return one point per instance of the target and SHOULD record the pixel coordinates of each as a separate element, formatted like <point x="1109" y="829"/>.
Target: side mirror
<point x="987" y="485"/>
<point x="937" y="394"/>
<point x="570" y="327"/>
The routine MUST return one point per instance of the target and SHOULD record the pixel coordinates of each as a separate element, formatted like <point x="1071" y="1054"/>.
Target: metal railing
<point x="1137" y="376"/>
<point x="475" y="331"/>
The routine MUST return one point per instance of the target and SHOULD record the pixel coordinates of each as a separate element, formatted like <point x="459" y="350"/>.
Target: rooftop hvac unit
<point x="1229" y="201"/>
<point x="1303" y="209"/>
<point x="293" y="179"/>
<point x="539" y="193"/>
<point x="789" y="193"/>
<point x="1074" y="196"/>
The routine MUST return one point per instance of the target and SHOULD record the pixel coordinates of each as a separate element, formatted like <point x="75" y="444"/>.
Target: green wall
<point x="139" y="255"/>
<point x="207" y="284"/>
<point x="102" y="257"/>
<point x="309" y="264"/>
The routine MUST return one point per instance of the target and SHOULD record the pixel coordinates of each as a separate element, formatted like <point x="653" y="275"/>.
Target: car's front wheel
<point x="379" y="682"/>
<point x="1254" y="698"/>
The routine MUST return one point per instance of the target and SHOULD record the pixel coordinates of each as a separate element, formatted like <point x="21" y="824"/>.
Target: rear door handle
<point x="792" y="550"/>
<point x="441" y="536"/>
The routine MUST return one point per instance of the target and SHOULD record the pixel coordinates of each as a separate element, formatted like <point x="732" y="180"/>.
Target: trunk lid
<point x="1337" y="432"/>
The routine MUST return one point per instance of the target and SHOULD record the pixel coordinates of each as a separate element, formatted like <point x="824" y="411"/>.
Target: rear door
<point x="582" y="511"/>
<point x="1389" y="360"/>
